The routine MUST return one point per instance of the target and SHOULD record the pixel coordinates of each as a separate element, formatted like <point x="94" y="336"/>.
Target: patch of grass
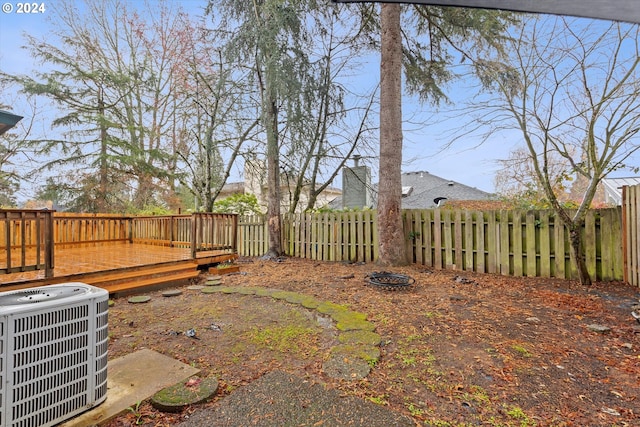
<point x="137" y="413"/>
<point x="415" y="410"/>
<point x="442" y="423"/>
<point x="432" y="314"/>
<point x="519" y="415"/>
<point x="382" y="319"/>
<point x="408" y="360"/>
<point x="379" y="400"/>
<point x="521" y="350"/>
<point x="289" y="338"/>
<point x="411" y="355"/>
<point x="476" y="394"/>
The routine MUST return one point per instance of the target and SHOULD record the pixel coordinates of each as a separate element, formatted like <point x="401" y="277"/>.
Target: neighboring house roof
<point x="613" y="188"/>
<point x="421" y="189"/>
<point x="231" y="188"/>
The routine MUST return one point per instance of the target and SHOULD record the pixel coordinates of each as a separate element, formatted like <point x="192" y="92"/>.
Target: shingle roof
<point x="427" y="187"/>
<point x="420" y="188"/>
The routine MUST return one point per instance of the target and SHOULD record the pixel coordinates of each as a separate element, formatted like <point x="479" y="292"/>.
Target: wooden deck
<point x="117" y="267"/>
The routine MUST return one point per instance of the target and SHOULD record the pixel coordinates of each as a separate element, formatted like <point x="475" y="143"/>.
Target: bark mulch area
<point x="457" y="349"/>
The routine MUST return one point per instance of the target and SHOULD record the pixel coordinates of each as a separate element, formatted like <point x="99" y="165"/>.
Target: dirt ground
<point x="458" y="349"/>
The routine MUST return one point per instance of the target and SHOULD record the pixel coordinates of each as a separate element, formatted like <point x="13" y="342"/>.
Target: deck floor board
<point x="84" y="259"/>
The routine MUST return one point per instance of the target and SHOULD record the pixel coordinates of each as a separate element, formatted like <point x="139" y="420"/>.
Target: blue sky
<point x="422" y="143"/>
<point x="425" y="130"/>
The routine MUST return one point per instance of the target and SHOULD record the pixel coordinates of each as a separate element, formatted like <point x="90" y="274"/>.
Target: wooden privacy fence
<point x="513" y="242"/>
<point x="517" y="243"/>
<point x="631" y="236"/>
<point x="253" y="238"/>
<point x="328" y="236"/>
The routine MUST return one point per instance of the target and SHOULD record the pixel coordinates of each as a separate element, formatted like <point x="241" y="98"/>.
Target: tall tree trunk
<point x="273" y="175"/>
<point x="578" y="254"/>
<point x="101" y="203"/>
<point x="391" y="235"/>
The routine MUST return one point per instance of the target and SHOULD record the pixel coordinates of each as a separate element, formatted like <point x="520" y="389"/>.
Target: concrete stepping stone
<point x="171" y="293"/>
<point x="190" y="392"/>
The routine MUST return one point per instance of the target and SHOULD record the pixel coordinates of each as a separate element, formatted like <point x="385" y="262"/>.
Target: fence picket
<point x="518" y="256"/>
<point x="590" y="236"/>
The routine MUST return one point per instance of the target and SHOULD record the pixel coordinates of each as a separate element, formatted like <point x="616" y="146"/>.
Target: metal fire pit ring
<point x="390" y="281"/>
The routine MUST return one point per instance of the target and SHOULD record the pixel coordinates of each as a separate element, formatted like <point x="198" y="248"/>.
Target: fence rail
<point x="507" y="242"/>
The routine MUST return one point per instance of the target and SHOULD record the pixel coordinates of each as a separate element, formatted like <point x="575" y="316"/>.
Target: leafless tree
<point x="572" y="89"/>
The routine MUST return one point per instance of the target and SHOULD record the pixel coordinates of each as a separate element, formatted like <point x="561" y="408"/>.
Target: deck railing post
<point x="49" y="250"/>
<point x="172" y="221"/>
<point x="7" y="221"/>
<point x="194" y="240"/>
<point x="130" y="221"/>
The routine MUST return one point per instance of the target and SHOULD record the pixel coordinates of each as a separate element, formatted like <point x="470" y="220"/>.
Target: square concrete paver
<point x="131" y="379"/>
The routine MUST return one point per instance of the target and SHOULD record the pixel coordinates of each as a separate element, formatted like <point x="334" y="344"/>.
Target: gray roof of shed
<point x="613" y="188"/>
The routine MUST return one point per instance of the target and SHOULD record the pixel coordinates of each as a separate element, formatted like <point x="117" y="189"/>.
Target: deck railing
<point x="169" y="230"/>
<point x="74" y="229"/>
<point x="26" y="237"/>
<point x="214" y="232"/>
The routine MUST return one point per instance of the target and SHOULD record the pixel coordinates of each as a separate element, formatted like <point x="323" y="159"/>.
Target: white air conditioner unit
<point x="53" y="353"/>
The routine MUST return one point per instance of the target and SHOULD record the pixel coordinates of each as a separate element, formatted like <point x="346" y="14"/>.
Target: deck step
<point x="117" y="276"/>
<point x="139" y="285"/>
<point x="145" y="277"/>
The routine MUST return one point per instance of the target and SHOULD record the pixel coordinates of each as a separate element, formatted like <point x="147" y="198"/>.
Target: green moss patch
<point x="310" y="302"/>
<point x="347" y="316"/>
<point x="355" y="324"/>
<point x="368" y="353"/>
<point x="192" y="391"/>
<point x="286" y="295"/>
<point x="247" y="291"/>
<point x="291" y="338"/>
<point x="350" y="360"/>
<point x="346" y="367"/>
<point x="330" y="308"/>
<point x="214" y="289"/>
<point x="265" y="292"/>
<point x="356" y="337"/>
